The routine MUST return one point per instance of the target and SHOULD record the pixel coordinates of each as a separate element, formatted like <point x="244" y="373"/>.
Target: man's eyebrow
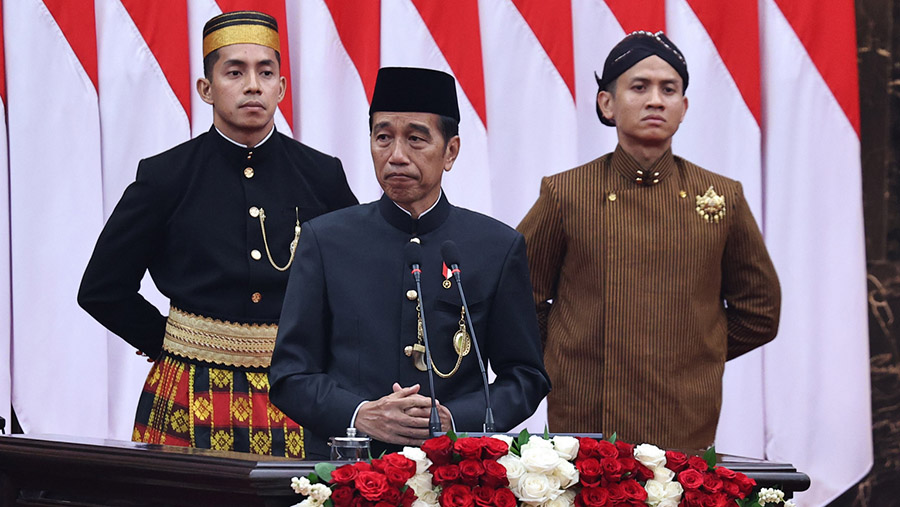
<point x="418" y="127"/>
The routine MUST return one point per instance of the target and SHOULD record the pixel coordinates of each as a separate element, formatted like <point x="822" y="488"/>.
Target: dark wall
<point x="878" y="42"/>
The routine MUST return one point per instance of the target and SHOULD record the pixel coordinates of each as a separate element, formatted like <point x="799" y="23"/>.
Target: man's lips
<point x="252" y="105"/>
<point x="654" y="118"/>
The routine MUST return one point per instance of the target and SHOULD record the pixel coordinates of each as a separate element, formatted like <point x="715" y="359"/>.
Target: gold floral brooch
<point x="711" y="206"/>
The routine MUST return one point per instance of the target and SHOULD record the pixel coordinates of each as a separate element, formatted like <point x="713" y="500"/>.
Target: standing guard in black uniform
<point x="216" y="221"/>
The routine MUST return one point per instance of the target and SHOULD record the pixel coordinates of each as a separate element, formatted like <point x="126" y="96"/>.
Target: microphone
<point x="451" y="258"/>
<point x="413" y="254"/>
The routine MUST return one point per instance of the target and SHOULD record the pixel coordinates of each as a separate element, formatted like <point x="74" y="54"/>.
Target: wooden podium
<point x="48" y="470"/>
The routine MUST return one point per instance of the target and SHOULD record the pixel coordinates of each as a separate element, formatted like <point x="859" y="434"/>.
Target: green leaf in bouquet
<point x="453" y="436"/>
<point x="613" y="438"/>
<point x="546" y="432"/>
<point x="322" y="472"/>
<point x="710" y="457"/>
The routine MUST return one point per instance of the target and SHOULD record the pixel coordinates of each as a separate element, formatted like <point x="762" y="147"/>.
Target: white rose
<point x="418" y="456"/>
<point x="300" y="486"/>
<point x="663" y="474"/>
<point x="420" y="483"/>
<point x="655" y="492"/>
<point x="567" y="447"/>
<point x="566" y="473"/>
<point x="308" y="502"/>
<point x="319" y="493"/>
<point x="506" y="438"/>
<point x="537" y="442"/>
<point x="668" y="503"/>
<point x="789" y="503"/>
<point x="540" y="459"/>
<point x="567" y="499"/>
<point x="535" y="489"/>
<point x="428" y="498"/>
<point x="650" y="455"/>
<point x="514" y="469"/>
<point x="673" y="491"/>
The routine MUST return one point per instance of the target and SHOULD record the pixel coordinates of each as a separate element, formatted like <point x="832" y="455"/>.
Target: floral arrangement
<point x="559" y="471"/>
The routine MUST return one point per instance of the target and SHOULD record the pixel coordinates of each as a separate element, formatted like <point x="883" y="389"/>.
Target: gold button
<point x="248" y="172"/>
<point x="249" y="155"/>
<point x="447" y="284"/>
<point x="256" y="297"/>
<point x="415" y="240"/>
<point x="254" y="212"/>
<point x="682" y="194"/>
<point x="611" y="196"/>
<point x="255" y="254"/>
<point x="412" y="295"/>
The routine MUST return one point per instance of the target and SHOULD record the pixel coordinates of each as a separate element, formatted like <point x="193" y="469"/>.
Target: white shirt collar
<point x="244" y="145"/>
<point x="422" y="214"/>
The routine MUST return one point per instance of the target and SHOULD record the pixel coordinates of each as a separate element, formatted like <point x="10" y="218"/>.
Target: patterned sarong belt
<point x="204" y="339"/>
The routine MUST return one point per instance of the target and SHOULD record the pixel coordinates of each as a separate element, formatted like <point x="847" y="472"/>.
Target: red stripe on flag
<point x="732" y="27"/>
<point x="457" y="32"/>
<point x="551" y="23"/>
<point x="359" y="27"/>
<point x="274" y="8"/>
<point x="649" y="15"/>
<point x="75" y="19"/>
<point x="827" y="29"/>
<point x="164" y="26"/>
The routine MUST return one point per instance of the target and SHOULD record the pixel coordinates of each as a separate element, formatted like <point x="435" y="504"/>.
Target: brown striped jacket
<point x="641" y="299"/>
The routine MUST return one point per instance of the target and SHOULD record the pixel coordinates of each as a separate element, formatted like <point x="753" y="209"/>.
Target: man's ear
<point x="204" y="89"/>
<point x="604" y="102"/>
<point x="451" y="152"/>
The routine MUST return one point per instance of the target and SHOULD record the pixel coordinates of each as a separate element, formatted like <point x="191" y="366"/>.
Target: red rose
<point x="396" y="476"/>
<point x="484" y="497"/>
<point x="359" y="501"/>
<point x="725" y="473"/>
<point x="407" y="498"/>
<point x="445" y="474"/>
<point x="371" y="485"/>
<point x="643" y="473"/>
<point x="470" y="471"/>
<point x="494" y="474"/>
<point x="731" y="489"/>
<point x="716" y="500"/>
<point x="342" y="496"/>
<point x="588" y="448"/>
<point x="607" y="450"/>
<point x="616" y="492"/>
<point x="457" y="495"/>
<point x="693" y="498"/>
<point x="344" y="474"/>
<point x="439" y="449"/>
<point x="384" y="504"/>
<point x="712" y="483"/>
<point x="676" y="461"/>
<point x="690" y="479"/>
<point x="589" y="471"/>
<point x="468" y="447"/>
<point x="629" y="465"/>
<point x="697" y="463"/>
<point x="503" y="497"/>
<point x="626" y="450"/>
<point x="634" y="490"/>
<point x="377" y="465"/>
<point x="391" y="496"/>
<point x="592" y="497"/>
<point x="400" y="461"/>
<point x="745" y="483"/>
<point x="612" y="470"/>
<point x="493" y="448"/>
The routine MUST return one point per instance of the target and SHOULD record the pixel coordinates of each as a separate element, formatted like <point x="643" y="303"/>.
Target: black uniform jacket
<point x="187" y="219"/>
<point x="347" y="319"/>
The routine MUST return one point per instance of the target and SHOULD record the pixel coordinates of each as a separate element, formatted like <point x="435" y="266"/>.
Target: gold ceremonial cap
<point x="240" y="27"/>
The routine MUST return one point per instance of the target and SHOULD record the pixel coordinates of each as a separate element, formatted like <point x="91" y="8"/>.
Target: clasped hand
<point x="401" y="417"/>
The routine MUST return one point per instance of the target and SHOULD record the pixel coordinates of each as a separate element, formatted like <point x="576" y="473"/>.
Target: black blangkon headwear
<point x="633" y="48"/>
